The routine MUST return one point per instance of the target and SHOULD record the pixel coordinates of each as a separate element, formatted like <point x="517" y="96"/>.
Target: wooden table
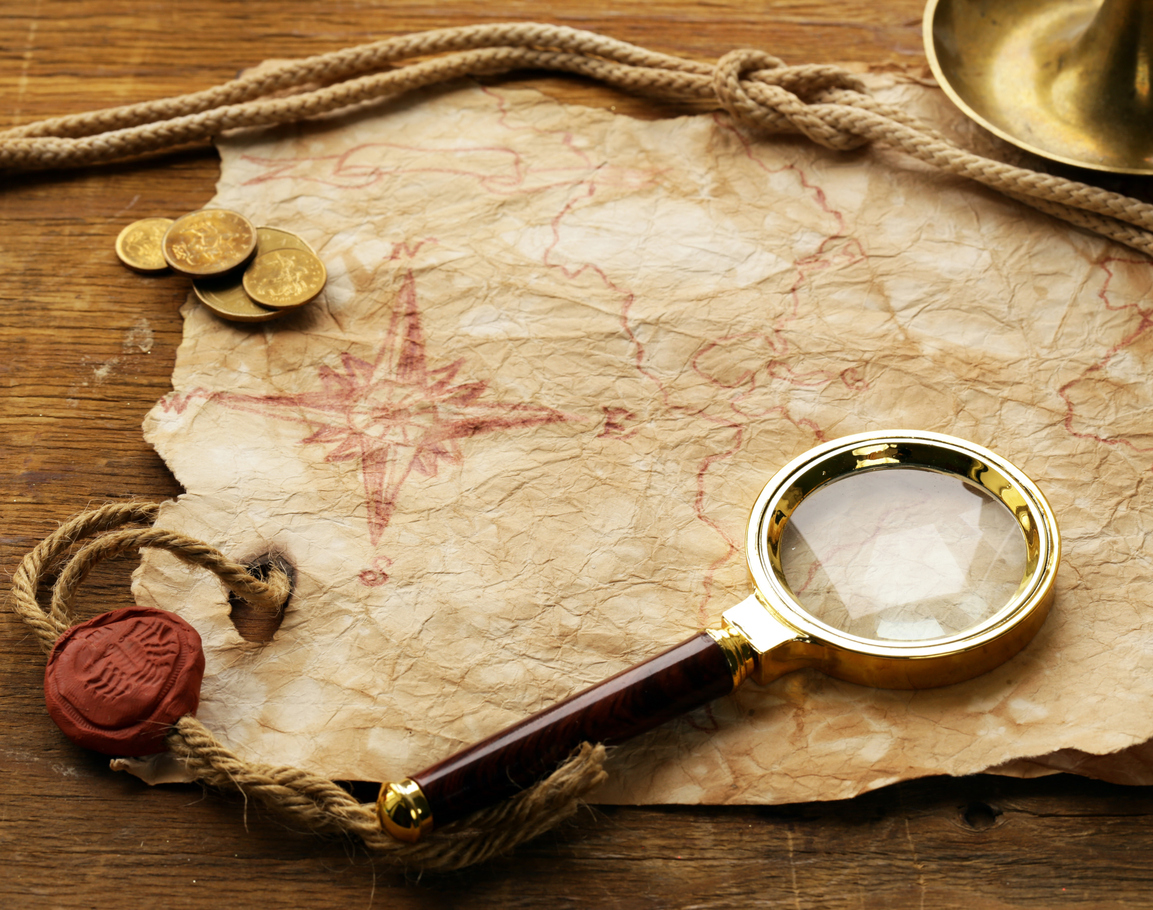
<point x="87" y="349"/>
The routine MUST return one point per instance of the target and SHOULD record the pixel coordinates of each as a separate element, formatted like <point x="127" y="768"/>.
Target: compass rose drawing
<point x="394" y="415"/>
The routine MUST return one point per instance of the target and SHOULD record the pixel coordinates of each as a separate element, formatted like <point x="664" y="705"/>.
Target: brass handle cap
<point x="404" y="811"/>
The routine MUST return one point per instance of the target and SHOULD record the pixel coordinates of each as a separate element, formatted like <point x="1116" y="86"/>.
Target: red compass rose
<point x="393" y="414"/>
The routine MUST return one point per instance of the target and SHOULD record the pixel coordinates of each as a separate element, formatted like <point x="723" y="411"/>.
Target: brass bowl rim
<point x="1018" y="616"/>
<point x="947" y="87"/>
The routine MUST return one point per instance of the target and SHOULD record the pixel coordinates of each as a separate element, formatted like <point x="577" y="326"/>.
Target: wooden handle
<point x="638" y="699"/>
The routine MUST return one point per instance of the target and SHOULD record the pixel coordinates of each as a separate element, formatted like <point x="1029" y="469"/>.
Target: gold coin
<point x="140" y="245"/>
<point x="285" y="278"/>
<point x="226" y="298"/>
<point x="209" y="242"/>
<point x="270" y="238"/>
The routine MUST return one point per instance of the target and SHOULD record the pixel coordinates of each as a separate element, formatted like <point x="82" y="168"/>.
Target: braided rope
<point x="51" y="624"/>
<point x="42" y="559"/>
<point x="326" y="808"/>
<point x="824" y="103"/>
<point x="827" y="104"/>
<point x="318" y="804"/>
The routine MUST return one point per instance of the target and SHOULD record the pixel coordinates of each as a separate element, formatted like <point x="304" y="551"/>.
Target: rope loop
<point x="110" y="526"/>
<point x="827" y="104"/>
<point x="318" y="804"/>
<point x="758" y="89"/>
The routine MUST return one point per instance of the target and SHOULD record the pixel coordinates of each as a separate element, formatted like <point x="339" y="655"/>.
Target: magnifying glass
<point x="898" y="559"/>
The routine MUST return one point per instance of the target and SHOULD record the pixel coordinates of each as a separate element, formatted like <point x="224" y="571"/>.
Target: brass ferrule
<point x="739" y="651"/>
<point x="404" y="811"/>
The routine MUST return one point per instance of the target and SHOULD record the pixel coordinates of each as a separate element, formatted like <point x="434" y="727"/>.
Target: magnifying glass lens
<point x="899" y="558"/>
<point x="902" y="554"/>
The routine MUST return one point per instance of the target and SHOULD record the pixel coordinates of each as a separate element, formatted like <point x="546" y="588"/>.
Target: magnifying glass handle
<point x="676" y="681"/>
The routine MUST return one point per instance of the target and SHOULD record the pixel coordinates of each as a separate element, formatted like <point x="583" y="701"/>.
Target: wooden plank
<point x="87" y="347"/>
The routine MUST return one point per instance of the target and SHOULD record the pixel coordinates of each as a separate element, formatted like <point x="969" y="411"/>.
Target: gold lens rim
<point x="939" y="661"/>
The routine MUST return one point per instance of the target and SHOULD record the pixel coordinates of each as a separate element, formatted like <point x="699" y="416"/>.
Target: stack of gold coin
<point x="238" y="271"/>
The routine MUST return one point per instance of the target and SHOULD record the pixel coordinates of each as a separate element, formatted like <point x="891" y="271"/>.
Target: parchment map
<point x="512" y="447"/>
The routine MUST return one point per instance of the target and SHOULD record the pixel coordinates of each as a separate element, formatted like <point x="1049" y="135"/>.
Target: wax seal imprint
<point x="285" y="278"/>
<point x="116" y="683"/>
<point x="209" y="242"/>
<point x="140" y="245"/>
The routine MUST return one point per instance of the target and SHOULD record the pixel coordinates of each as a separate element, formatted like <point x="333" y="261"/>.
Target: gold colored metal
<point x="777" y="648"/>
<point x="226" y="296"/>
<point x="739" y="652"/>
<point x="1070" y="80"/>
<point x="270" y="238"/>
<point x="404" y="812"/>
<point x="770" y="633"/>
<point x="784" y="637"/>
<point x="285" y="278"/>
<point x="140" y="245"/>
<point x="209" y="242"/>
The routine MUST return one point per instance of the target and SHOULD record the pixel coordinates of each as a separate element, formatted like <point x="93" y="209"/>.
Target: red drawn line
<point x="348" y="171"/>
<point x="628" y="298"/>
<point x="732" y="547"/>
<point x="178" y="402"/>
<point x="343" y="171"/>
<point x="818" y="193"/>
<point x="835" y="251"/>
<point x="406" y="250"/>
<point x="1145" y="320"/>
<point x="394" y="415"/>
<point x="504" y="118"/>
<point x="617" y="420"/>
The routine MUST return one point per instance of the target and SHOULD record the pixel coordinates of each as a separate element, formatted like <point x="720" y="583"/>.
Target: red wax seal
<point x="116" y="683"/>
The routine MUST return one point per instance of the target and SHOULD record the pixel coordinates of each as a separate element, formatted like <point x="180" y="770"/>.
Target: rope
<point x="827" y="104"/>
<point x="326" y="808"/>
<point x="318" y="804"/>
<point x="49" y="553"/>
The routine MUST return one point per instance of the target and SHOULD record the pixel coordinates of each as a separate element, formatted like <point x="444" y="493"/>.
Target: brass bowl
<point x="1069" y="80"/>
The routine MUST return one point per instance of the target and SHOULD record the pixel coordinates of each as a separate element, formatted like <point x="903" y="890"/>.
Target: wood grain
<point x="88" y="347"/>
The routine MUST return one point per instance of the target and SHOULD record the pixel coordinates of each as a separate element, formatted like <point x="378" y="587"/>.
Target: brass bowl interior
<point x="1069" y="80"/>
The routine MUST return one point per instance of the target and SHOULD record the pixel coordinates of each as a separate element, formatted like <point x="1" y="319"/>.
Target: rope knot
<point x="759" y="89"/>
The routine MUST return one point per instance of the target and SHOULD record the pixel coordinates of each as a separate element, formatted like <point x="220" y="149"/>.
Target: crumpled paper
<point x="512" y="448"/>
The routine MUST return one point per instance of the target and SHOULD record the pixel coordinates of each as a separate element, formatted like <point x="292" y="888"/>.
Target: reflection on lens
<point x="902" y="554"/>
